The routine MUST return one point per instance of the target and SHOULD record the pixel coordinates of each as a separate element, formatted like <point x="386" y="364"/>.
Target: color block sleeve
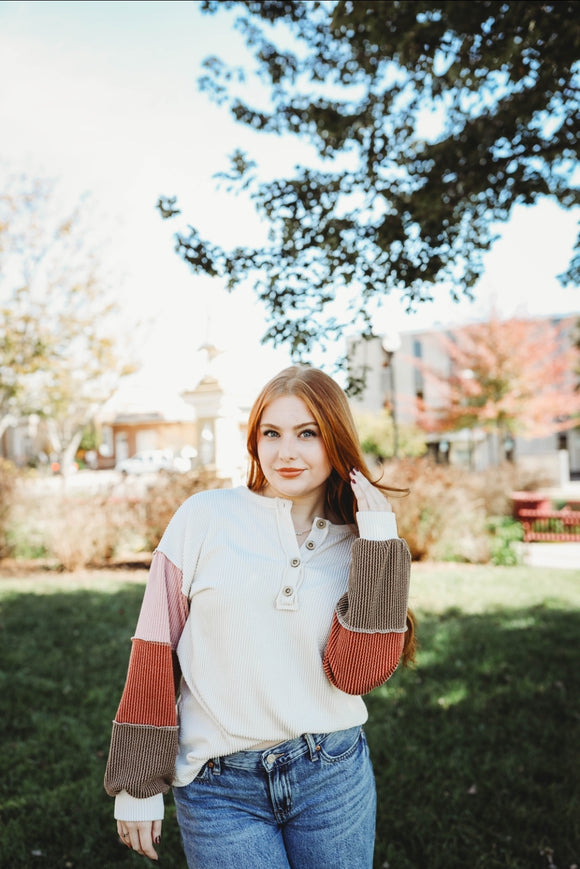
<point x="368" y="629"/>
<point x="144" y="742"/>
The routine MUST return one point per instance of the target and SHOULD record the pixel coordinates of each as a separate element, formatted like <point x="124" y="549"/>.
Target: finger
<point x="123" y="834"/>
<point x="145" y="834"/>
<point x="368" y="496"/>
<point x="156" y="833"/>
<point x="358" y="491"/>
<point x="377" y="499"/>
<point x="133" y="839"/>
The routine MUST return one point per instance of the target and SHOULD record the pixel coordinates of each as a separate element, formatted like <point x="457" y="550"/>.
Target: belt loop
<point x="312" y="740"/>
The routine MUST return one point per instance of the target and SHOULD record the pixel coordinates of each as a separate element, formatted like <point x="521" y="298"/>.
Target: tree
<point x="506" y="378"/>
<point x="21" y="353"/>
<point x="22" y="347"/>
<point x="60" y="356"/>
<point x="428" y="122"/>
<point x="377" y="436"/>
<point x="577" y="345"/>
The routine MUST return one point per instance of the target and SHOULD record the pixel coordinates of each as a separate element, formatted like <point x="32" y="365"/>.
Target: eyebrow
<point x="295" y="428"/>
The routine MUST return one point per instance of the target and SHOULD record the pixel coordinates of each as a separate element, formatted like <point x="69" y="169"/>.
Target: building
<point x="203" y="424"/>
<point x="221" y="429"/>
<point x="394" y="367"/>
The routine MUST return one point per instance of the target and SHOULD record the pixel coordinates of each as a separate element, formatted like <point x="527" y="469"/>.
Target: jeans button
<point x="271" y="758"/>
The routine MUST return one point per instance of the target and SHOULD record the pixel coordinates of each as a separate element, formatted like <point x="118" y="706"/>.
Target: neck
<point x="304" y="514"/>
<point x="305" y="509"/>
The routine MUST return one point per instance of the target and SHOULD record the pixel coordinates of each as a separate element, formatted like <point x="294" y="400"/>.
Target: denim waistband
<point x="284" y="752"/>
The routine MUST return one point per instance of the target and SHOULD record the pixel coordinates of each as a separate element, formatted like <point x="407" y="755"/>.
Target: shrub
<point x="164" y="497"/>
<point x="84" y="531"/>
<point x="440" y="518"/>
<point x="377" y="436"/>
<point x="8" y="477"/>
<point x="446" y="516"/>
<point x="73" y="531"/>
<point x="506" y="531"/>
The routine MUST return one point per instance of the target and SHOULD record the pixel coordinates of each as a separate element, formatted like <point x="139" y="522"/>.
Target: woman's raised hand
<point x="368" y="497"/>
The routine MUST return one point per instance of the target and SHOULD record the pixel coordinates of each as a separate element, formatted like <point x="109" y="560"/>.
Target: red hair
<point x="329" y="407"/>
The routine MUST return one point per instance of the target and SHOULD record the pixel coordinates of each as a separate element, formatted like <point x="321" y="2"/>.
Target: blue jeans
<point x="309" y="803"/>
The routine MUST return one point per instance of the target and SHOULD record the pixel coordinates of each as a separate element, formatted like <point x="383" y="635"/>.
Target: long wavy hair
<point x="329" y="407"/>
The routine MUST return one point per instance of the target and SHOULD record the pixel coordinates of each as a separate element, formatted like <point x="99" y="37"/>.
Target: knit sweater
<point x="261" y="638"/>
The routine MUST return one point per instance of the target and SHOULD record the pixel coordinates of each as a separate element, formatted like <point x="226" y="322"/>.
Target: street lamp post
<point x="391" y="342"/>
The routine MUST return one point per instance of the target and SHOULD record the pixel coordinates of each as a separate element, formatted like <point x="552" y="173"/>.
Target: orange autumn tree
<point x="506" y="378"/>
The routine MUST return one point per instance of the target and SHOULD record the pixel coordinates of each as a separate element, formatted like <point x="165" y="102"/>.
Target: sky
<point x="103" y="97"/>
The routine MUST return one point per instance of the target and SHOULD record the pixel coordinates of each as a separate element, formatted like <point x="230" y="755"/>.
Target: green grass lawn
<point x="476" y="749"/>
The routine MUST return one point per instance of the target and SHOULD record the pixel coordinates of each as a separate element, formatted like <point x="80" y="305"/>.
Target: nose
<point x="287" y="449"/>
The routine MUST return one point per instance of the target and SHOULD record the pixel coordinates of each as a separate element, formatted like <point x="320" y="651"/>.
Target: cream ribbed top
<point x="261" y="609"/>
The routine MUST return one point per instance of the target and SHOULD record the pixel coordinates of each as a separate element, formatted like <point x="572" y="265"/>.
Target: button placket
<point x="316" y="538"/>
<point x="287" y="598"/>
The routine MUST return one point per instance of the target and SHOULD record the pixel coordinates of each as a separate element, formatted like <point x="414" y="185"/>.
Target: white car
<point x="151" y="461"/>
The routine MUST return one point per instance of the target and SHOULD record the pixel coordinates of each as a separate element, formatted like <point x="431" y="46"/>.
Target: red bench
<point x="541" y="522"/>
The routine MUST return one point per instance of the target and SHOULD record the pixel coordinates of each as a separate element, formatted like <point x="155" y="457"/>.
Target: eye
<point x="308" y="433"/>
<point x="269" y="433"/>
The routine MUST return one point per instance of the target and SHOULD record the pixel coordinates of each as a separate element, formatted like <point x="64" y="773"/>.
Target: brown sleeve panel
<point x="378" y="586"/>
<point x="141" y="760"/>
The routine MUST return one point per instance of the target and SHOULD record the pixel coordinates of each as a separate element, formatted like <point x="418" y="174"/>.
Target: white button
<point x="295" y="562"/>
<point x="320" y="523"/>
<point x="288" y="591"/>
<point x="310" y="545"/>
<point x="271" y="758"/>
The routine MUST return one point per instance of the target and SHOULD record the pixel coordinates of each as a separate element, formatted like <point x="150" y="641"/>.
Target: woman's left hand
<point x="368" y="497"/>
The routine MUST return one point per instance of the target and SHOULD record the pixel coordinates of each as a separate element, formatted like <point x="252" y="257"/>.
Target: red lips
<point x="289" y="472"/>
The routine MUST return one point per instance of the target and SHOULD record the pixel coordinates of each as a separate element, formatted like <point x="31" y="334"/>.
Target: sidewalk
<point x="566" y="555"/>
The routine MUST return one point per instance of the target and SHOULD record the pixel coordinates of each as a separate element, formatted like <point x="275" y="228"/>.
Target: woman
<point x="270" y="608"/>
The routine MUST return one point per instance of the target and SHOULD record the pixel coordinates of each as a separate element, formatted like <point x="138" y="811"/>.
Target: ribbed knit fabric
<point x="141" y="760"/>
<point x="250" y="613"/>
<point x="144" y="741"/>
<point x="149" y="696"/>
<point x="378" y="587"/>
<point x="372" y="658"/>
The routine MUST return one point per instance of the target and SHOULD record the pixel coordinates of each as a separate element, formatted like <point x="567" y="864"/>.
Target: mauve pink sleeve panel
<point x="165" y="608"/>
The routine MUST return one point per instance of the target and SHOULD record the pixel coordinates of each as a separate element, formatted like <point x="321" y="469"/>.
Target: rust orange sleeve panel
<point x="358" y="662"/>
<point x="149" y="695"/>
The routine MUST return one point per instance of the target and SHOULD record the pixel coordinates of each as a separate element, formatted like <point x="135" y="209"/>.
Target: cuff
<point x="128" y="808"/>
<point x="377" y="524"/>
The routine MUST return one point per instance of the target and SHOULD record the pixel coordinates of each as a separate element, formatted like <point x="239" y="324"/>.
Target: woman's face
<point x="291" y="452"/>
